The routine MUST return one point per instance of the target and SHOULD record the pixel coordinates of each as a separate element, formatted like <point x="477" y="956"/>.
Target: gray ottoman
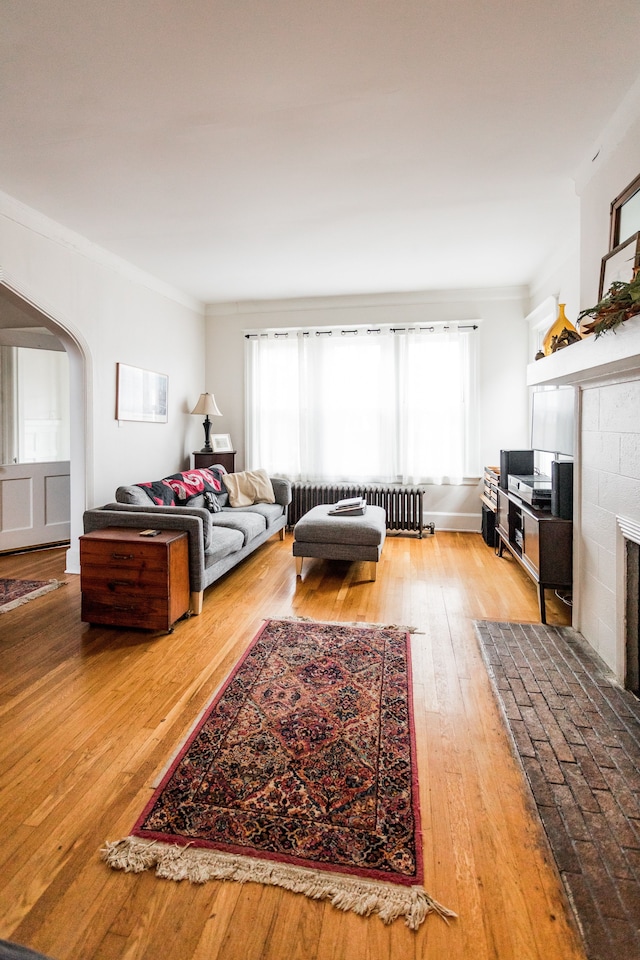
<point x="318" y="534"/>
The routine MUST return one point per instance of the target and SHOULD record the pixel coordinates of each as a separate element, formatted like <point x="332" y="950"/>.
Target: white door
<point x="34" y="504"/>
<point x="34" y="447"/>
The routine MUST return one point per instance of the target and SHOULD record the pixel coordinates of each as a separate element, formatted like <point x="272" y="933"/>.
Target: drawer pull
<point x="120" y="583"/>
<point x="122" y="556"/>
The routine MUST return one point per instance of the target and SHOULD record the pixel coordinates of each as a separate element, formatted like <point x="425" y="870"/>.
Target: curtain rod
<point x="355" y="332"/>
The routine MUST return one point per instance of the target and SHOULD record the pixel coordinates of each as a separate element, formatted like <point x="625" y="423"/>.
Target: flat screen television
<point x="553" y="420"/>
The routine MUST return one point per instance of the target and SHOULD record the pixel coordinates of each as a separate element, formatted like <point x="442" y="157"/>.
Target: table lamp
<point x="207" y="405"/>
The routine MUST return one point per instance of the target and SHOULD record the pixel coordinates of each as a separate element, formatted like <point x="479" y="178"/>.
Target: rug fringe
<point x="51" y="585"/>
<point x="347" y="623"/>
<point x="364" y="897"/>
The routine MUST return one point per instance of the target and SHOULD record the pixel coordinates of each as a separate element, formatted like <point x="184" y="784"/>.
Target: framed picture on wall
<point x="141" y="394"/>
<point x="221" y="443"/>
<point x="625" y="214"/>
<point x="620" y="263"/>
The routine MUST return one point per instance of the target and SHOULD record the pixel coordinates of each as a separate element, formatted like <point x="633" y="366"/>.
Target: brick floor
<point x="577" y="734"/>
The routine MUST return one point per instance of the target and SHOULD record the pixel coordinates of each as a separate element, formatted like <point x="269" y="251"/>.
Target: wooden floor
<point x="90" y="715"/>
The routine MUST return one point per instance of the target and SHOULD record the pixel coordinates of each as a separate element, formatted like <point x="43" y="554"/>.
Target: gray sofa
<point x="217" y="541"/>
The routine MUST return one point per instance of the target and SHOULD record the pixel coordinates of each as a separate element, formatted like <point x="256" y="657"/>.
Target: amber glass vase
<point x="559" y="324"/>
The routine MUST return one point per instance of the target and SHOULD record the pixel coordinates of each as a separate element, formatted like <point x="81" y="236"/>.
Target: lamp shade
<point x="207" y="405"/>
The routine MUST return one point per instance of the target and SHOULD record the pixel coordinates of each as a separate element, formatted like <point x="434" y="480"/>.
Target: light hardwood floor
<point x="90" y="715"/>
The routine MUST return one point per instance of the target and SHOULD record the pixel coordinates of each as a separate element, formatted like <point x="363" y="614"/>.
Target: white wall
<point x="617" y="164"/>
<point x="609" y="479"/>
<point x="571" y="273"/>
<point x="559" y="278"/>
<point x="607" y="465"/>
<point x="503" y="358"/>
<point x="106" y="312"/>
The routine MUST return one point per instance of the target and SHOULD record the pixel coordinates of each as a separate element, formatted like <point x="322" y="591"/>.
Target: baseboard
<point x="454" y="522"/>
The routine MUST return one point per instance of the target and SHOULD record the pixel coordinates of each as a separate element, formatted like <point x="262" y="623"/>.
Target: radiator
<point x="402" y="505"/>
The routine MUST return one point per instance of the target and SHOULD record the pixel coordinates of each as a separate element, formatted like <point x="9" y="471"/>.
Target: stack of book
<point x="351" y="507"/>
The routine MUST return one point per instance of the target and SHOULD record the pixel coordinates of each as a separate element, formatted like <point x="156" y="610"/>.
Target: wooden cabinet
<point x="128" y="580"/>
<point x="228" y="460"/>
<point x="489" y="497"/>
<point x="542" y="543"/>
<point x="490" y="484"/>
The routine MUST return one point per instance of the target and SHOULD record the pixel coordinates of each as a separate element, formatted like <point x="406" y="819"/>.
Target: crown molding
<point x="44" y="226"/>
<point x="357" y="301"/>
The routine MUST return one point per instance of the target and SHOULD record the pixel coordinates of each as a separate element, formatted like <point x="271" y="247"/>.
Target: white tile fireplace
<point x="606" y="374"/>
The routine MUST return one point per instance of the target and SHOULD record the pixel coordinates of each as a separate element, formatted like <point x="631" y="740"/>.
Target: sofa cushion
<point x="248" y="487"/>
<point x="270" y="511"/>
<point x="223" y="542"/>
<point x="250" y="525"/>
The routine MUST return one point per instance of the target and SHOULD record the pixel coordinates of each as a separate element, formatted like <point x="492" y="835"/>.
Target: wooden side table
<point x="128" y="580"/>
<point x="227" y="460"/>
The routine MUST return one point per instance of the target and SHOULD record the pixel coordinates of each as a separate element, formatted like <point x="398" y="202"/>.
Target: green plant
<point x="621" y="302"/>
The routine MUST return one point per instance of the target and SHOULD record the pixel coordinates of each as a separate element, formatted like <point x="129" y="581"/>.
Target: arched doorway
<point x="81" y="466"/>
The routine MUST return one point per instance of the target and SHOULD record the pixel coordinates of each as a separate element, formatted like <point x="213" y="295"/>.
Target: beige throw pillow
<point x="251" y="486"/>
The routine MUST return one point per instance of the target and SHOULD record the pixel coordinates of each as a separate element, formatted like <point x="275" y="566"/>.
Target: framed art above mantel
<point x="625" y="214"/>
<point x="620" y="264"/>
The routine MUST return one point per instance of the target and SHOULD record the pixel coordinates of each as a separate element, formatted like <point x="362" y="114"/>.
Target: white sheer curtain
<point x="362" y="405"/>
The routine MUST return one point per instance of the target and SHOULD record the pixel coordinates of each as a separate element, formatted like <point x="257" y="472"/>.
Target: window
<point x="363" y="405"/>
<point x="34" y="405"/>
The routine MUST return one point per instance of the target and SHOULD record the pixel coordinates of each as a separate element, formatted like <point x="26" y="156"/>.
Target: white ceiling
<point x="245" y="149"/>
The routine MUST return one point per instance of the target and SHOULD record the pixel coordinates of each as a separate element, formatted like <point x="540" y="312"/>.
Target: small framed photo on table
<point x="221" y="443"/>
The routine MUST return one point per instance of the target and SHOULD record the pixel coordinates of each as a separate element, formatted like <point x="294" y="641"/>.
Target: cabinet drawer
<point x="134" y="553"/>
<point x="148" y="612"/>
<point x="147" y="579"/>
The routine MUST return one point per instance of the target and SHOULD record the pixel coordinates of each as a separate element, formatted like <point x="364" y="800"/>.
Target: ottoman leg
<point x="299" y="566"/>
<point x="373" y="569"/>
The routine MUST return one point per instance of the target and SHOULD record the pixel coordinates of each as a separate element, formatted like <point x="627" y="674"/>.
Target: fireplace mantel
<point x="610" y="357"/>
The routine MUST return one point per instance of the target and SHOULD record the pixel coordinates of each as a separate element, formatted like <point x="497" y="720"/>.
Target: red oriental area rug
<point x="13" y="593"/>
<point x="301" y="774"/>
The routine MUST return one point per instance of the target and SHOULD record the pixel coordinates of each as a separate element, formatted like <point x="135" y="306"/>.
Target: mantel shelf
<point x="611" y="356"/>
